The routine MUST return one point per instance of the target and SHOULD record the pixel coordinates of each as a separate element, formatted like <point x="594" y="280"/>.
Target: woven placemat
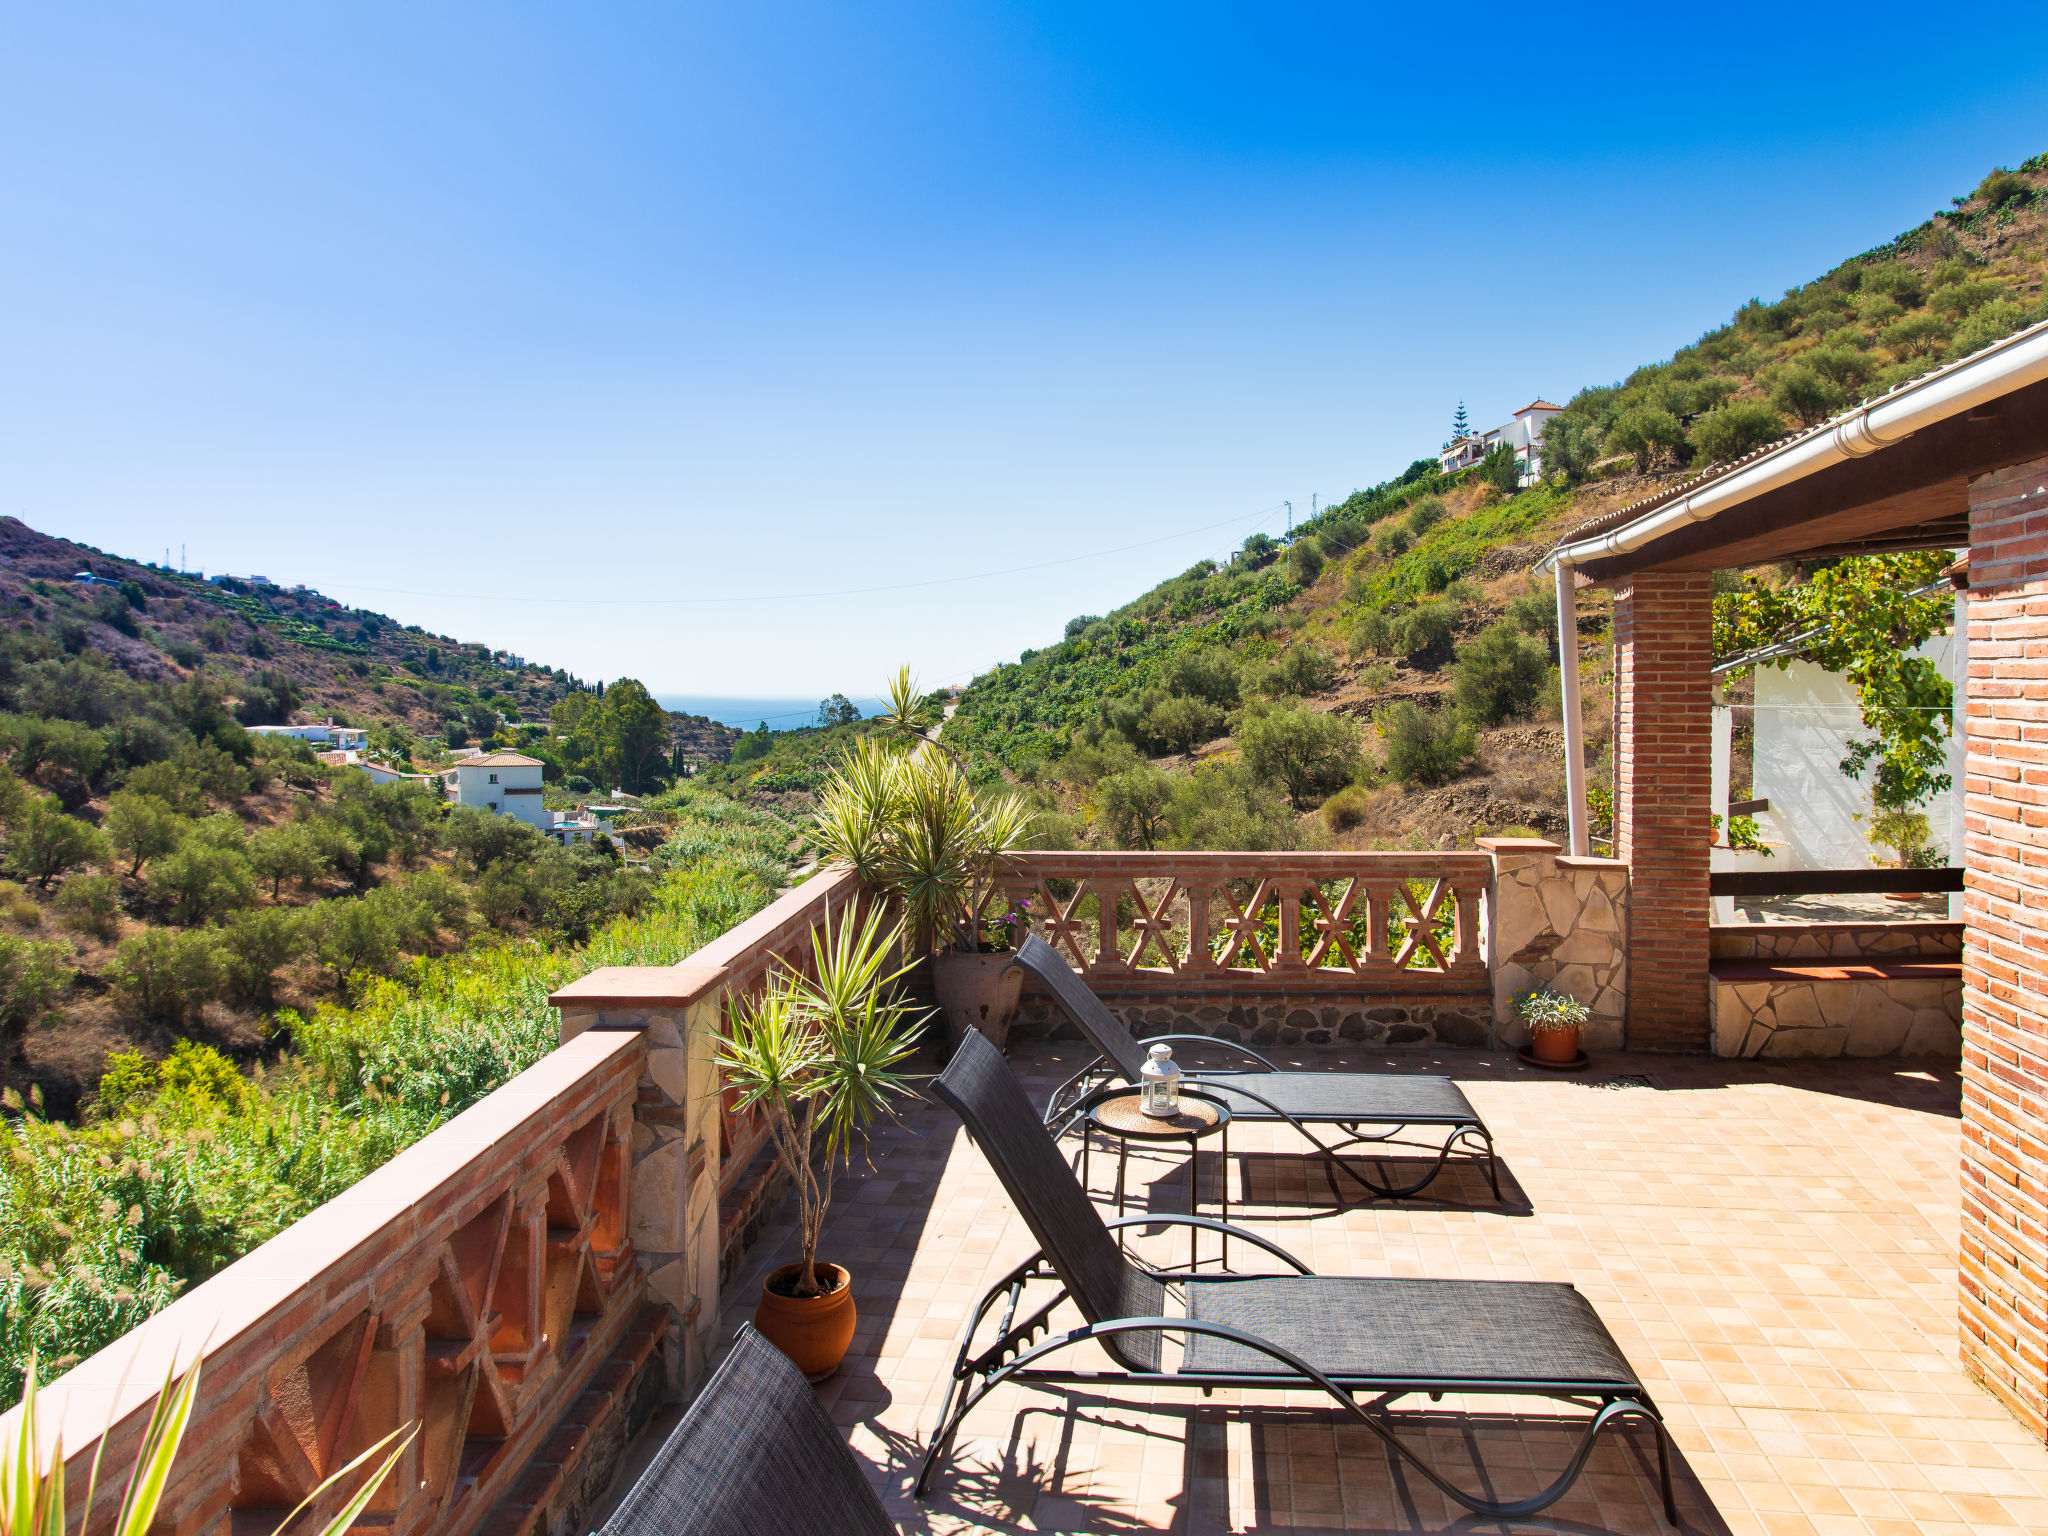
<point x="1122" y="1113"/>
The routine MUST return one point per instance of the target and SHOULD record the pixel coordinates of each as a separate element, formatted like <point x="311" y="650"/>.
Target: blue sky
<point x="731" y="347"/>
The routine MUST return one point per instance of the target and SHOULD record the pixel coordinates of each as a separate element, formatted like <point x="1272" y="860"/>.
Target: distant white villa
<point x="505" y="782"/>
<point x="346" y="738"/>
<point x="1524" y="434"/>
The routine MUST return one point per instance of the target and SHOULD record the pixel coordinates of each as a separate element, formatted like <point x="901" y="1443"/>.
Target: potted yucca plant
<point x="818" y="1053"/>
<point x="900" y="812"/>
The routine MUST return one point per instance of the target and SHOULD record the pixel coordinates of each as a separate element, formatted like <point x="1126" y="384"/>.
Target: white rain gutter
<point x="1998" y="370"/>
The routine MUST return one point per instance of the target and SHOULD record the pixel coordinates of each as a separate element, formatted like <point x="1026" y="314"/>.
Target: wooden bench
<point x="1739" y="968"/>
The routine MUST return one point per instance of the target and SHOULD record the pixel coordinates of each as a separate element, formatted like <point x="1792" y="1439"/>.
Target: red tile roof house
<point x="1830" y="1273"/>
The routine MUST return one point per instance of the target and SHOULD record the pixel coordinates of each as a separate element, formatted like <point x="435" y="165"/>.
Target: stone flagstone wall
<point x="1559" y="922"/>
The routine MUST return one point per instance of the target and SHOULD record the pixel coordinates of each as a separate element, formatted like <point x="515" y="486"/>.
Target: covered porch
<point x="1956" y="460"/>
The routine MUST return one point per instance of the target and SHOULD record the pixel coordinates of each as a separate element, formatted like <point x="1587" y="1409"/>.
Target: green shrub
<point x="1896" y="280"/>
<point x="1423" y="516"/>
<point x="255" y="946"/>
<point x="1919" y="335"/>
<point x="1500" y="469"/>
<point x="1222" y="806"/>
<point x="91" y="904"/>
<point x="1208" y="673"/>
<point x="1372" y="635"/>
<point x="2003" y="187"/>
<point x="1346" y="809"/>
<point x="141" y="827"/>
<point x="128" y="1077"/>
<point x="1426" y="748"/>
<point x="1739" y="427"/>
<point x="201" y="1079"/>
<point x="1302" y="669"/>
<point x="167" y="976"/>
<point x="1181" y="724"/>
<point x="1377" y="677"/>
<point x="1499" y="676"/>
<point x="1571" y="446"/>
<point x="1426" y="630"/>
<point x="1845" y="366"/>
<point x="1806" y="395"/>
<point x="1391" y="542"/>
<point x="1305" y="751"/>
<point x="278" y="854"/>
<point x="1132" y="806"/>
<point x="42" y="843"/>
<point x="1993" y="322"/>
<point x="1958" y="300"/>
<point x="1533" y="610"/>
<point x="1304" y="562"/>
<point x="1645" y="432"/>
<point x="203" y="880"/>
<point x="34" y="976"/>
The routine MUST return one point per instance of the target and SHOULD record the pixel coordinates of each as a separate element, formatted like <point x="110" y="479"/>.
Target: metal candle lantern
<point x="1160" y="1084"/>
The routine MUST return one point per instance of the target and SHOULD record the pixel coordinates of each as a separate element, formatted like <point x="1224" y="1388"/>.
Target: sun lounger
<point x="1342" y="1337"/>
<point x="1391" y="1103"/>
<point x="755" y="1453"/>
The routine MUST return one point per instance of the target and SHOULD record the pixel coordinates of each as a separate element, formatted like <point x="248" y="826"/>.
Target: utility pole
<point x="1312" y="504"/>
<point x="1290" y="517"/>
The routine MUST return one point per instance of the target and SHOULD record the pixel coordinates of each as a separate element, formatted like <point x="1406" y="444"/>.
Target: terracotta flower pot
<point x="814" y="1331"/>
<point x="1555" y="1044"/>
<point x="977" y="992"/>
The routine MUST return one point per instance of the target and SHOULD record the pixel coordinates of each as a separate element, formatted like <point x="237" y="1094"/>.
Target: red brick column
<point x="2004" y="1268"/>
<point x="1663" y="654"/>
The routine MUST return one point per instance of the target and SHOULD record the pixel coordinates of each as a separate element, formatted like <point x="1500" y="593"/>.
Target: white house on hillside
<point x="343" y="738"/>
<point x="1524" y="434"/>
<point x="505" y="782"/>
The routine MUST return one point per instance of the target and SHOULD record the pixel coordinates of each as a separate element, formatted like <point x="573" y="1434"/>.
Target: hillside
<point x="1387" y="676"/>
<point x="288" y="653"/>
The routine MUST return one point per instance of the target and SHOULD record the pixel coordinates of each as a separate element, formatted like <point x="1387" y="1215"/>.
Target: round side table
<point x="1117" y="1114"/>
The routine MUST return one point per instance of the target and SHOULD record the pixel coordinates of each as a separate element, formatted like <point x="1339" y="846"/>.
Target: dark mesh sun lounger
<point x="1341" y="1336"/>
<point x="1349" y="1100"/>
<point x="754" y="1456"/>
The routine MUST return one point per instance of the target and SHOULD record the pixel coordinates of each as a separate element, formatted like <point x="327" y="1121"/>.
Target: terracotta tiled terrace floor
<point x="1772" y="1245"/>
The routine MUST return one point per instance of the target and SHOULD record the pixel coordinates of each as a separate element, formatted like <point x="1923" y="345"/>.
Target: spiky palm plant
<point x="910" y="825"/>
<point x="819" y="1053"/>
<point x="32" y="1494"/>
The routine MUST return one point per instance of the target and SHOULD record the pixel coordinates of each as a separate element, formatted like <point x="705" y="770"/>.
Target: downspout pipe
<point x="1568" y="685"/>
<point x="2010" y="365"/>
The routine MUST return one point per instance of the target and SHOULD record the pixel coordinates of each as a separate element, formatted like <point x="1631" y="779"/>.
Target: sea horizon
<point x="744" y="712"/>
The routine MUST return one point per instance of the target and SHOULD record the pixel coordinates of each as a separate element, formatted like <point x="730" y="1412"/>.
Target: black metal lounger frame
<point x="1070" y="1100"/>
<point x="1013" y="1357"/>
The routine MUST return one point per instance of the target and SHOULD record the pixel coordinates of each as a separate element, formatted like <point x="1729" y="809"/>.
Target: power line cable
<point x="790" y="597"/>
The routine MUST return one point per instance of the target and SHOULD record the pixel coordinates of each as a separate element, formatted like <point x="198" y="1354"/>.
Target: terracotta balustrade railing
<point x="480" y="1286"/>
<point x="1173" y="924"/>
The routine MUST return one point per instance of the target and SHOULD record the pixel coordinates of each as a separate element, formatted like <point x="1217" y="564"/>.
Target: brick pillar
<point x="2004" y="1272"/>
<point x="1663" y="769"/>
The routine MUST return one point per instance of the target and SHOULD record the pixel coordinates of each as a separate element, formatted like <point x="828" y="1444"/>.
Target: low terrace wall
<point x="1804" y="990"/>
<point x="1365" y="948"/>
<point x="481" y="1284"/>
<point x="524" y="1285"/>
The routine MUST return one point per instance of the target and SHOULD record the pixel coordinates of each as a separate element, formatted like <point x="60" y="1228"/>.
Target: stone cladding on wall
<point x="1814" y="1014"/>
<point x="1558" y="922"/>
<point x="2004" y="1265"/>
<point x="1393" y="1022"/>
